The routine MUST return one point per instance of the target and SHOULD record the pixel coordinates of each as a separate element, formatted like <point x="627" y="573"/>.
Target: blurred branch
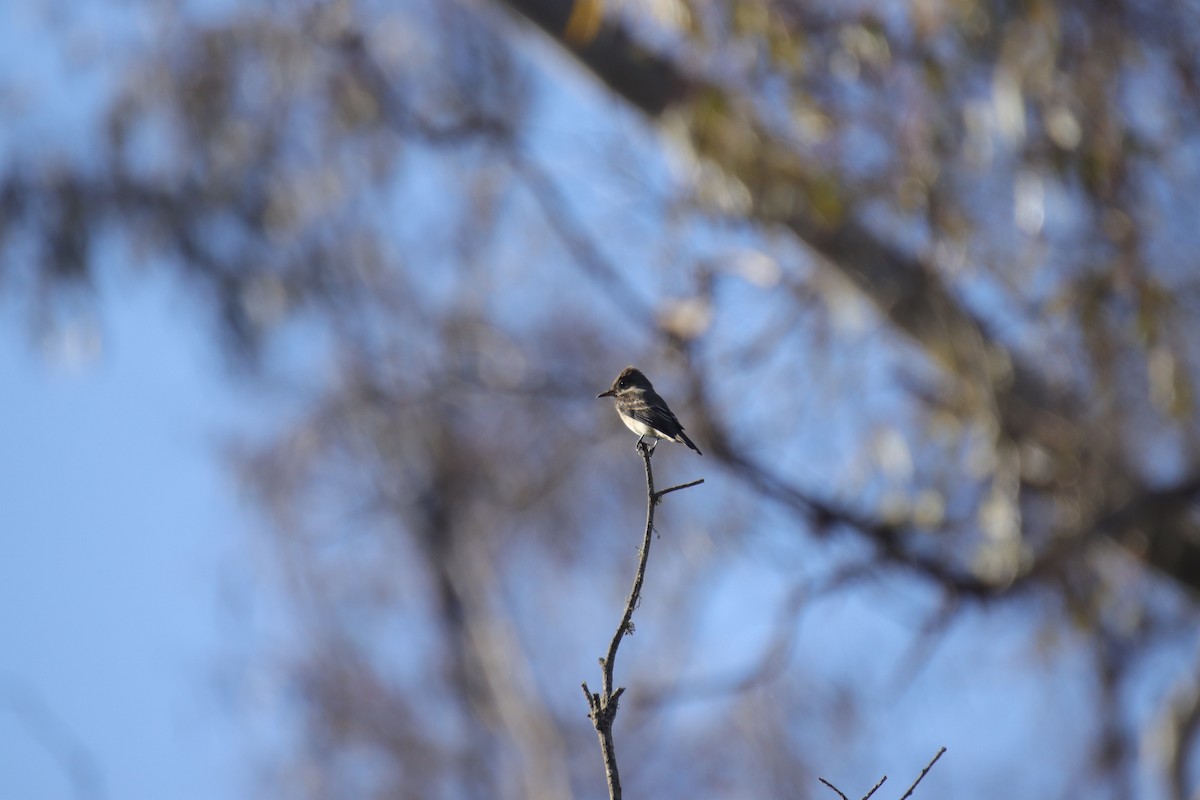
<point x="1152" y="525"/>
<point x="776" y="656"/>
<point x="552" y="202"/>
<point x="824" y="515"/>
<point x="41" y="724"/>
<point x="604" y="44"/>
<point x="399" y="114"/>
<point x="555" y="207"/>
<point x="506" y="673"/>
<point x="1178" y="733"/>
<point x="930" y="635"/>
<point x="603" y="705"/>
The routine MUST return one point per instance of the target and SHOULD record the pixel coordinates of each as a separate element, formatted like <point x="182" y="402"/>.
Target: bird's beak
<point x="609" y="393"/>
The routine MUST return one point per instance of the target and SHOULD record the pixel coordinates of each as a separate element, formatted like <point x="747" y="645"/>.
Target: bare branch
<point x="924" y="772"/>
<point x="43" y="726"/>
<point x="874" y="788"/>
<point x="831" y="786"/>
<point x="658" y="495"/>
<point x="602" y="707"/>
<point x="866" y="796"/>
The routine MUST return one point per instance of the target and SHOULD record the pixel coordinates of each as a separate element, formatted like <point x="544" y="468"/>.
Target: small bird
<point x="643" y="411"/>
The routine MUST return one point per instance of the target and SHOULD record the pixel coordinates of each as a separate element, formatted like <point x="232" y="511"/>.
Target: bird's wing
<point x="654" y="412"/>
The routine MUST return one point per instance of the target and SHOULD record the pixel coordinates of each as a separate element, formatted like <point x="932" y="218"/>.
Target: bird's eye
<point x="621" y="383"/>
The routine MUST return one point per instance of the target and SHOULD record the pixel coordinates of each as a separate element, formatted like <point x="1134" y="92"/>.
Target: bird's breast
<point x="637" y="426"/>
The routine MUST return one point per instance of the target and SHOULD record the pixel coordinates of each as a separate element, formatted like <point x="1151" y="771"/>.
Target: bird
<point x="643" y="411"/>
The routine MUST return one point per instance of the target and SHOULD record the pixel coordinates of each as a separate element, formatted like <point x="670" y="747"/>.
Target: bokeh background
<point x="305" y="491"/>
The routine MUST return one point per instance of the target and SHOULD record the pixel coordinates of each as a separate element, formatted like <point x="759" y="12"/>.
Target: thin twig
<point x="866" y="796"/>
<point x="921" y="777"/>
<point x="44" y="727"/>
<point x="583" y="247"/>
<point x="831" y="786"/>
<point x="874" y="788"/>
<point x="602" y="706"/>
<point x="658" y="495"/>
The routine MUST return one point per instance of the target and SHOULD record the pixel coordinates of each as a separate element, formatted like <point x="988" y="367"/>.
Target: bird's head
<point x="629" y="380"/>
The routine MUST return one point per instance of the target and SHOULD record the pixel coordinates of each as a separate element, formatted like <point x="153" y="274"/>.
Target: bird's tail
<point x="683" y="439"/>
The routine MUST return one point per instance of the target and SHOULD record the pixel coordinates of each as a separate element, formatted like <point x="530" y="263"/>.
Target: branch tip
<point x="924" y="772"/>
<point x="831" y="786"/>
<point x="874" y="788"/>
<point x="656" y="496"/>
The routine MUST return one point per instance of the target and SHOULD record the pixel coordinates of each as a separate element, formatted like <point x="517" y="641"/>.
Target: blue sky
<point x="128" y="603"/>
<point x="122" y="558"/>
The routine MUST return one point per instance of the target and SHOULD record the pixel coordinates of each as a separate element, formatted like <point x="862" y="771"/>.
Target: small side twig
<point x="602" y="705"/>
<point x="656" y="496"/>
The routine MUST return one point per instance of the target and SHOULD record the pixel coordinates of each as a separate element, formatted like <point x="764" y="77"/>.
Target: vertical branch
<point x="602" y="706"/>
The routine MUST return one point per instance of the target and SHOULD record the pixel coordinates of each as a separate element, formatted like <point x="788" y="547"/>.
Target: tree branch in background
<point x="556" y="209"/>
<point x="875" y="788"/>
<point x="602" y="706"/>
<point x="1176" y="733"/>
<point x="604" y="43"/>
<point x="42" y="725"/>
<point x="839" y="791"/>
